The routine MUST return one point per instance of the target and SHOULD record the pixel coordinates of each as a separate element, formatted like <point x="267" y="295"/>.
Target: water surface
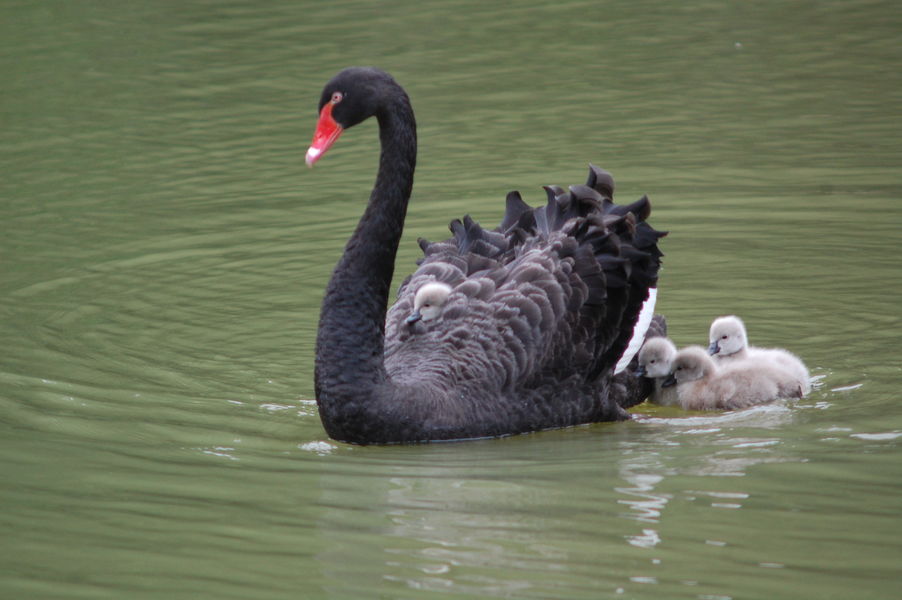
<point x="163" y="252"/>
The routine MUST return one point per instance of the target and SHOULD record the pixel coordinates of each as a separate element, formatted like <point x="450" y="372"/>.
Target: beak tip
<point x="312" y="156"/>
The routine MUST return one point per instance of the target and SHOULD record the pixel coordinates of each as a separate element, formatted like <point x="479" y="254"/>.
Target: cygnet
<point x="703" y="385"/>
<point x="655" y="358"/>
<point x="729" y="345"/>
<point x="429" y="301"/>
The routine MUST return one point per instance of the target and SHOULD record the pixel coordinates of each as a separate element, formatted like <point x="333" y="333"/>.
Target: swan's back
<point x="548" y="299"/>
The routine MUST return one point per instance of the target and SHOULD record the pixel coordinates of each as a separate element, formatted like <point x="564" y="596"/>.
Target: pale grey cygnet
<point x="655" y="358"/>
<point x="429" y="301"/>
<point x="729" y="345"/>
<point x="703" y="385"/>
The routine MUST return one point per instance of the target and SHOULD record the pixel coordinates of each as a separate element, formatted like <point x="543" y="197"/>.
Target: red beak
<point x="327" y="131"/>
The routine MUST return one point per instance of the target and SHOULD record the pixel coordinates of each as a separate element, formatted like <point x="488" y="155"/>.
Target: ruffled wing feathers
<point x="555" y="290"/>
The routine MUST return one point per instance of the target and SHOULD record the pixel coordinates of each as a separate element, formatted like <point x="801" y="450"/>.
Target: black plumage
<point x="539" y="311"/>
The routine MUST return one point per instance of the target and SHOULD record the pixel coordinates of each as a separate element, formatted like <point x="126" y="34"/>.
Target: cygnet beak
<point x="713" y="348"/>
<point x="414" y="317"/>
<point x="640" y="371"/>
<point x="671" y="380"/>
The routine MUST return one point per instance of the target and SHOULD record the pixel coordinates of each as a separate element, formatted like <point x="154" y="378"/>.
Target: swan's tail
<point x="639" y="249"/>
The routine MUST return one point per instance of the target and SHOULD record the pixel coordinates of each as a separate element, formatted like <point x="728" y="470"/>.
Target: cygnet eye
<point x="723" y="337"/>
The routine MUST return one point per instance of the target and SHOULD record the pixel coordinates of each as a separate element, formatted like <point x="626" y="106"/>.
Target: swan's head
<point x="727" y="336"/>
<point x="655" y="357"/>
<point x="353" y="95"/>
<point x="689" y="364"/>
<point x="429" y="301"/>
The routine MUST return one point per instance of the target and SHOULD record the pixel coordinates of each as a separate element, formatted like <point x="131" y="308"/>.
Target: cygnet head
<point x="727" y="336"/>
<point x="429" y="301"/>
<point x="689" y="364"/>
<point x="655" y="357"/>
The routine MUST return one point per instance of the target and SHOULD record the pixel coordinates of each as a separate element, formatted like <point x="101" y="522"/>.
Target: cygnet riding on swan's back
<point x="429" y="302"/>
<point x="729" y="345"/>
<point x="655" y="359"/>
<point x="528" y="320"/>
<point x="703" y="385"/>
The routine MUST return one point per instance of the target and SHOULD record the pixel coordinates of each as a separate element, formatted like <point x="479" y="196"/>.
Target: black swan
<point x="527" y="323"/>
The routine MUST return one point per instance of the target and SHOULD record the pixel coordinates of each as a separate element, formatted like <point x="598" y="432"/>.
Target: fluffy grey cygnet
<point x="703" y="385"/>
<point x="429" y="301"/>
<point x="655" y="358"/>
<point x="729" y="345"/>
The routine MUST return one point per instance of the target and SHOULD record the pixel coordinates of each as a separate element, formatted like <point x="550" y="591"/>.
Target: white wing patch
<point x="639" y="331"/>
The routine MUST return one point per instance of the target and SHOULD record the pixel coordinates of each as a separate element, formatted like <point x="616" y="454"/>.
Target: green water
<point x="163" y="251"/>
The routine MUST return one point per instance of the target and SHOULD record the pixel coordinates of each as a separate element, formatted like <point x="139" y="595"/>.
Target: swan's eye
<point x="336" y="97"/>
<point x="426" y="305"/>
<point x="651" y="362"/>
<point x="723" y="337"/>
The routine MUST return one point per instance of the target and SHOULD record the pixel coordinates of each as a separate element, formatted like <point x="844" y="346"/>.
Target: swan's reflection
<point x="533" y="515"/>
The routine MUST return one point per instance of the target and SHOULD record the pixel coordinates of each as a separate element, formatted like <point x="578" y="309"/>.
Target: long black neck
<point x="349" y="355"/>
